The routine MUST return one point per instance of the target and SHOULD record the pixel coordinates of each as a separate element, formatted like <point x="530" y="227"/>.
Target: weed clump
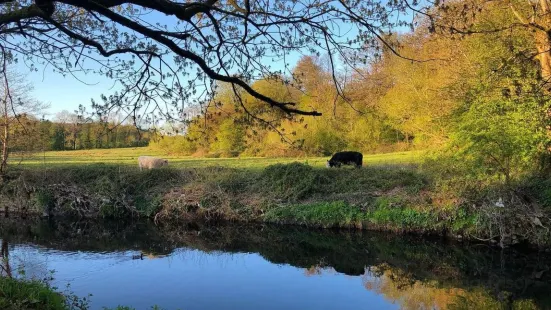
<point x="44" y="200"/>
<point x="325" y="214"/>
<point x="291" y="182"/>
<point x="17" y="294"/>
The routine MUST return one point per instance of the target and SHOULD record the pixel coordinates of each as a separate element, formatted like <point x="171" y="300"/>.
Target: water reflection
<point x="434" y="295"/>
<point x="250" y="267"/>
<point x="5" y="267"/>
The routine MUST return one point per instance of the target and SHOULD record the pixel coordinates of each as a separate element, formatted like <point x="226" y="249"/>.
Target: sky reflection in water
<point x="192" y="279"/>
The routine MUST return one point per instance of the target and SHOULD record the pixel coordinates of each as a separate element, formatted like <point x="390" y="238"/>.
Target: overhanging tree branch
<point x="238" y="36"/>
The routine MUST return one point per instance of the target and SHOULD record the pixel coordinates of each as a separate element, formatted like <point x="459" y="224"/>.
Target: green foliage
<point x="292" y="181"/>
<point x="382" y="214"/>
<point x="463" y="221"/>
<point x="45" y="135"/>
<point x="28" y="295"/>
<point x="499" y="126"/>
<point x="539" y="187"/>
<point x="298" y="180"/>
<point x="501" y="137"/>
<point x="326" y="214"/>
<point x="230" y="139"/>
<point x="180" y="145"/>
<point x="324" y="141"/>
<point x="44" y="200"/>
<point x="57" y="138"/>
<point x="148" y="207"/>
<point x="388" y="212"/>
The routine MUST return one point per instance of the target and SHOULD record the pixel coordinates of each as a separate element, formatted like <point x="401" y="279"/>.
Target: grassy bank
<point x="389" y="196"/>
<point x="19" y="294"/>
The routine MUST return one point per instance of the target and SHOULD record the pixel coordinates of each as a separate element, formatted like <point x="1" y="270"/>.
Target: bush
<point x="501" y="137"/>
<point x="44" y="200"/>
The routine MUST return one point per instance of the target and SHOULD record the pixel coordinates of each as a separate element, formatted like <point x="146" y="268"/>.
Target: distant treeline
<point x="31" y="135"/>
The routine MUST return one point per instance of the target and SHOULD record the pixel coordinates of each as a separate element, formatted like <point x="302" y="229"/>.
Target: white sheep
<point x="149" y="162"/>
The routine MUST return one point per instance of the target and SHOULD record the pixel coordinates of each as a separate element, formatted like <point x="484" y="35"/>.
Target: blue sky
<point x="64" y="93"/>
<point x="67" y="93"/>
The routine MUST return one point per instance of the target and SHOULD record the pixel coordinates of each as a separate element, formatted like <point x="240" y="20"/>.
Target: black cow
<point x="345" y="158"/>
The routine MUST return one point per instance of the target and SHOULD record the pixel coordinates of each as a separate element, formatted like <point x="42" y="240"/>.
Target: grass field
<point x="128" y="156"/>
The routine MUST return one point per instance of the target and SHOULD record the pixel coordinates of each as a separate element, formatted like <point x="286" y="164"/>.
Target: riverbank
<point x="393" y="198"/>
<point x="20" y="294"/>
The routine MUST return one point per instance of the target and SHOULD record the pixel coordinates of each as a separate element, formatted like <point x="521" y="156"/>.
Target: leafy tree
<point x="501" y="137"/>
<point x="324" y="141"/>
<point x="15" y="103"/>
<point x="230" y="139"/>
<point x="500" y="128"/>
<point x="492" y="19"/>
<point x="58" y="138"/>
<point x="160" y="63"/>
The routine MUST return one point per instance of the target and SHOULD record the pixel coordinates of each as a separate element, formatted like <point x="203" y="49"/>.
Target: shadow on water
<point x="409" y="270"/>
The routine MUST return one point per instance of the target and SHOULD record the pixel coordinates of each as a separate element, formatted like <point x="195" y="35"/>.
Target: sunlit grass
<point x="128" y="156"/>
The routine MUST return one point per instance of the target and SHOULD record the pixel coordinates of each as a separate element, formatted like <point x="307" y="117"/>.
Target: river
<point x="236" y="266"/>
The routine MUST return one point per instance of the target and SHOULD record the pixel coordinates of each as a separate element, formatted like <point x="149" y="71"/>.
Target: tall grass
<point x="19" y="294"/>
<point x="16" y="294"/>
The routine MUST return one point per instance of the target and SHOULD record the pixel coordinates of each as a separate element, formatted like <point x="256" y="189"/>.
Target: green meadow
<point x="128" y="156"/>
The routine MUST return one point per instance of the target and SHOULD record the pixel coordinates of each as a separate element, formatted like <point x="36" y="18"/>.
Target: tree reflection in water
<point x="414" y="272"/>
<point x="5" y="268"/>
<point x="412" y="294"/>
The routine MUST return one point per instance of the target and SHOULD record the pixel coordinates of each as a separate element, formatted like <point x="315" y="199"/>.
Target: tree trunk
<point x="543" y="46"/>
<point x="4" y="160"/>
<point x="4" y="163"/>
<point x="541" y="27"/>
<point x="4" y="256"/>
<point x="5" y="140"/>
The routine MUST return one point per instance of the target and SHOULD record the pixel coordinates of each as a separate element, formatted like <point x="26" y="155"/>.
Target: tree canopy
<point x="166" y="54"/>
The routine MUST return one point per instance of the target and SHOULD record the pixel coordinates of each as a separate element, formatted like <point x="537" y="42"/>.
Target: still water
<point x="266" y="267"/>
